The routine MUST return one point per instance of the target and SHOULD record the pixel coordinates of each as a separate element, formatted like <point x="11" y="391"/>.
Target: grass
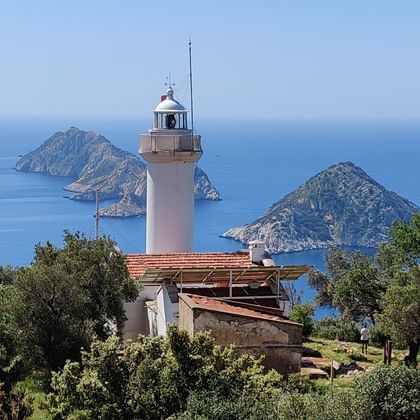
<point x="347" y="353"/>
<point x="35" y="387"/>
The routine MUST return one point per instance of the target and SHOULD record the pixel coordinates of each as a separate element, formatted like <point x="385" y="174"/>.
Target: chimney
<point x="257" y="252"/>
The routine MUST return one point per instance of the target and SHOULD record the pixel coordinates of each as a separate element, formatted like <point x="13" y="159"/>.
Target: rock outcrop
<point x="96" y="165"/>
<point x="342" y="205"/>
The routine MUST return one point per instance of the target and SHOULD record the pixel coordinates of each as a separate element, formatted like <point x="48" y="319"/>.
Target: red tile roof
<point x="251" y="311"/>
<point x="137" y="264"/>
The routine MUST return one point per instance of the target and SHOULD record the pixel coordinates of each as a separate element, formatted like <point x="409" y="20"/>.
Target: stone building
<point x="253" y="329"/>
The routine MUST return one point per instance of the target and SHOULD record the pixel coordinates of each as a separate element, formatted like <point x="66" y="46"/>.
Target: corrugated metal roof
<point x="207" y="267"/>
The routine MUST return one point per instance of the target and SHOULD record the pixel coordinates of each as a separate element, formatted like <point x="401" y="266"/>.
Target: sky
<point x="267" y="59"/>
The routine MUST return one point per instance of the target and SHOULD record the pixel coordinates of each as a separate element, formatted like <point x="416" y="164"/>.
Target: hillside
<point x="96" y="165"/>
<point x="341" y="205"/>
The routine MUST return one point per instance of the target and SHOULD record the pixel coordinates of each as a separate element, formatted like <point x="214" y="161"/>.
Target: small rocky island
<point x="342" y="205"/>
<point x="96" y="165"/>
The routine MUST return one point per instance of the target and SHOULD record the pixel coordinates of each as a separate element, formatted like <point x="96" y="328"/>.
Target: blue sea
<point x="251" y="163"/>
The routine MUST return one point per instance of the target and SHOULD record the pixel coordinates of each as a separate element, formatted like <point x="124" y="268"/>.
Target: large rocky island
<point x="342" y="205"/>
<point x="96" y="165"/>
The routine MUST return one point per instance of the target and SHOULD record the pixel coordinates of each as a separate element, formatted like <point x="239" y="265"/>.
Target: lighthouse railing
<point x="151" y="143"/>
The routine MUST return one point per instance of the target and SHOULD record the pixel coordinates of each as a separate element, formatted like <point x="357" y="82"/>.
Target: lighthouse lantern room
<point x="171" y="150"/>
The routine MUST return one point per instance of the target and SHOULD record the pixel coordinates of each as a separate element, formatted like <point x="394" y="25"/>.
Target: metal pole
<point x="191" y="88"/>
<point x="97" y="216"/>
<point x="230" y="283"/>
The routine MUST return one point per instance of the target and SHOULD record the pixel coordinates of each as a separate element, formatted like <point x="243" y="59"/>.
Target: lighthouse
<point x="171" y="150"/>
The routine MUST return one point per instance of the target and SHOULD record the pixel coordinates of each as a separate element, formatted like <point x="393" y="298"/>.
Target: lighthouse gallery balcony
<point x="162" y="147"/>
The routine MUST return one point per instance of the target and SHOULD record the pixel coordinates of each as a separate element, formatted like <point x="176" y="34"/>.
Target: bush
<point x="153" y="378"/>
<point x="246" y="405"/>
<point x="303" y="314"/>
<point x="14" y="405"/>
<point x="336" y="328"/>
<point x="376" y="336"/>
<point x="390" y="393"/>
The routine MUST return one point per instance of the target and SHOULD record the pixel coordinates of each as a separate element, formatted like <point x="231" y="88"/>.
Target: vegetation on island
<point x="96" y="165"/>
<point x="61" y="355"/>
<point x="341" y="205"/>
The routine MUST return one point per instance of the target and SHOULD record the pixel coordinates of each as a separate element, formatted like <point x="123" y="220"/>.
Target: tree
<point x="358" y="291"/>
<point x="69" y="296"/>
<point x="7" y="274"/>
<point x="353" y="284"/>
<point x="10" y="360"/>
<point x="401" y="316"/>
<point x="401" y="302"/>
<point x="303" y="314"/>
<point x="405" y="237"/>
<point x="295" y="296"/>
<point x="153" y="378"/>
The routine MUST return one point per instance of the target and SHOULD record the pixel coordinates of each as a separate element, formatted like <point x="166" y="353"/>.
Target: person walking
<point x="364" y="338"/>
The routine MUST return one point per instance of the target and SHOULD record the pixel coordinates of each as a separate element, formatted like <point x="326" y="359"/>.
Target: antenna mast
<point x="191" y="87"/>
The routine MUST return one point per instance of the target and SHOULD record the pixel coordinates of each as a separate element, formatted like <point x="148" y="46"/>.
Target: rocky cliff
<point x="96" y="165"/>
<point x="342" y="205"/>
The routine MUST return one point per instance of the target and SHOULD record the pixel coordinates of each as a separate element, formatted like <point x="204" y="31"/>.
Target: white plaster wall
<point x="165" y="313"/>
<point x="136" y="313"/>
<point x="170" y="207"/>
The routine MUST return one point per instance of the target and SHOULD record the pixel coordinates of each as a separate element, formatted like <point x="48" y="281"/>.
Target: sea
<point x="252" y="164"/>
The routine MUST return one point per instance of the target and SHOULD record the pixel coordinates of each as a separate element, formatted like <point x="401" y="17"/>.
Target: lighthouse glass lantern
<point x="171" y="150"/>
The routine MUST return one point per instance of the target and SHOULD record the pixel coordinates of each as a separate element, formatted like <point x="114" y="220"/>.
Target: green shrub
<point x="153" y="378"/>
<point x="14" y="405"/>
<point x="333" y="405"/>
<point x="296" y="383"/>
<point x="336" y="328"/>
<point x="390" y="393"/>
<point x="376" y="336"/>
<point x="303" y="314"/>
<point x="213" y="406"/>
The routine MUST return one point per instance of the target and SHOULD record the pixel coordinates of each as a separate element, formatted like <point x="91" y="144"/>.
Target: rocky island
<point x="97" y="165"/>
<point x="341" y="205"/>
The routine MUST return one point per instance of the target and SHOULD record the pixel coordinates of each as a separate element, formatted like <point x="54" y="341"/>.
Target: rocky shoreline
<point x="96" y="165"/>
<point x="342" y="205"/>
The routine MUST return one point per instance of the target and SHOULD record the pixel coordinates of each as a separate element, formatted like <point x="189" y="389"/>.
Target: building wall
<point x="136" y="313"/>
<point x="280" y="343"/>
<point x="170" y="207"/>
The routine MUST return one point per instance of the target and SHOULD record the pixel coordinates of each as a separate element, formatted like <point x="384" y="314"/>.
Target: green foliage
<point x="67" y="297"/>
<point x="244" y="405"/>
<point x="353" y="284"/>
<point x="276" y="406"/>
<point x="333" y="405"/>
<point x="336" y="328"/>
<point x="390" y="393"/>
<point x="7" y="274"/>
<point x="14" y="405"/>
<point x="153" y="377"/>
<point x="303" y="314"/>
<point x="405" y="237"/>
<point x="296" y="383"/>
<point x="10" y="361"/>
<point x="401" y="316"/>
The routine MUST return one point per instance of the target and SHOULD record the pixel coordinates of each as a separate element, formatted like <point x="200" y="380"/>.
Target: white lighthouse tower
<point x="171" y="151"/>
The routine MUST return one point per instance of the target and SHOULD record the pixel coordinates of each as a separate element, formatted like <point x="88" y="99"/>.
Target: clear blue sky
<point x="281" y="59"/>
